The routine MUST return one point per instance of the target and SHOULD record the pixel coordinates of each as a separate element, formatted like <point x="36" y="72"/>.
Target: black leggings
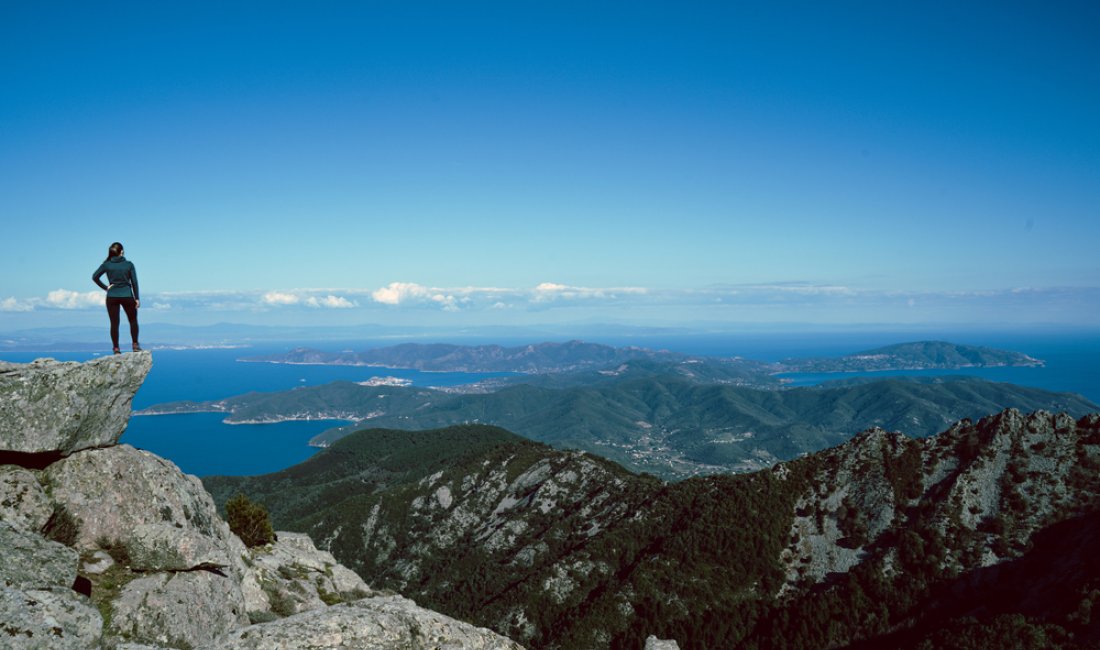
<point x="128" y="304"/>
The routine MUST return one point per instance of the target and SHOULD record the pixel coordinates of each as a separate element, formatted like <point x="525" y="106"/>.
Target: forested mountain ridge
<point x="877" y="539"/>
<point x="662" y="424"/>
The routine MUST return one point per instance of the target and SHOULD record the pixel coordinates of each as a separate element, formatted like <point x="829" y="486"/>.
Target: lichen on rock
<point x="23" y="502"/>
<point x="378" y="623"/>
<point x="52" y="406"/>
<point x="165" y="518"/>
<point x="186" y="608"/>
<point x="298" y="577"/>
<point x="56" y="618"/>
<point x="32" y="562"/>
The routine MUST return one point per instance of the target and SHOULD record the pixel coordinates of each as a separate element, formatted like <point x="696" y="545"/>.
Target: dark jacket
<point x="122" y="276"/>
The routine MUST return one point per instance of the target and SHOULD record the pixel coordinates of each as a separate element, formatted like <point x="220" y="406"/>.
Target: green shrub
<point x="262" y="617"/>
<point x="282" y="604"/>
<point x="118" y="551"/>
<point x="329" y="597"/>
<point x="62" y="526"/>
<point x="249" y="521"/>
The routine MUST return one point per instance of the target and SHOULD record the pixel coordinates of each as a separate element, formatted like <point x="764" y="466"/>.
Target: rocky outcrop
<point x="34" y="562"/>
<point x="61" y="407"/>
<point x="38" y="606"/>
<point x="994" y="482"/>
<point x="493" y="507"/>
<point x="850" y="504"/>
<point x="164" y="518"/>
<point x="369" y="624"/>
<point x="178" y="609"/>
<point x="81" y="514"/>
<point x="296" y="577"/>
<point x="48" y="619"/>
<point x="183" y="579"/>
<point x="23" y="502"/>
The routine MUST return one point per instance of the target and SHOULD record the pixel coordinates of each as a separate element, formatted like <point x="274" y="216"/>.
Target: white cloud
<point x="316" y="298"/>
<point x="396" y="293"/>
<point x="280" y="298"/>
<point x="796" y="288"/>
<point x="66" y="299"/>
<point x="453" y="298"/>
<point x="262" y="300"/>
<point x="331" y="302"/>
<point x="11" y="304"/>
<point x="763" y="302"/>
<point x="448" y="303"/>
<point x="554" y="291"/>
<point x="460" y="298"/>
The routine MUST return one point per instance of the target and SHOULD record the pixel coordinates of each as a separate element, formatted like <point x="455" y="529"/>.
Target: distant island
<point x="920" y="355"/>
<point x="441" y="357"/>
<point x="578" y="356"/>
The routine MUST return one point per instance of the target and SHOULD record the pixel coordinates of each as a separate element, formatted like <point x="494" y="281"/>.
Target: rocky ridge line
<point x="562" y="549"/>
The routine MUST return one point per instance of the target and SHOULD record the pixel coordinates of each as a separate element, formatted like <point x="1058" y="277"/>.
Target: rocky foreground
<point x="107" y="546"/>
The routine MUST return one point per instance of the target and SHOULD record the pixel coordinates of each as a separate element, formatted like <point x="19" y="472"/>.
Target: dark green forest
<point x="700" y="561"/>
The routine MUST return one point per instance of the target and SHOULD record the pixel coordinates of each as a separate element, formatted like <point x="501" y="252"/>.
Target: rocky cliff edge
<point x="106" y="546"/>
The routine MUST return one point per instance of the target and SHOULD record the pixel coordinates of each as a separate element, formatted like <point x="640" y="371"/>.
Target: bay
<point x="200" y="443"/>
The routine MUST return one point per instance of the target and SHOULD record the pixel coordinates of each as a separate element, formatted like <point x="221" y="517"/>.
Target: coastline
<point x="342" y="364"/>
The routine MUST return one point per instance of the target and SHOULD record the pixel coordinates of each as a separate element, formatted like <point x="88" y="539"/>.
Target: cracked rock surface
<point x="62" y="407"/>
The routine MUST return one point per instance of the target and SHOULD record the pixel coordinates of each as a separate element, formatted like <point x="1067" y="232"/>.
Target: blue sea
<point x="200" y="443"/>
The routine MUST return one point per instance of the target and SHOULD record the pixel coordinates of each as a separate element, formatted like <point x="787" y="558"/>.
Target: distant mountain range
<point x="539" y="358"/>
<point x="664" y="424"/>
<point x="169" y="335"/>
<point x="578" y="356"/>
<point x="982" y="536"/>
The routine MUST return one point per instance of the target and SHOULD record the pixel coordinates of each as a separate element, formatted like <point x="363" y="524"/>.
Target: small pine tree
<point x="249" y="521"/>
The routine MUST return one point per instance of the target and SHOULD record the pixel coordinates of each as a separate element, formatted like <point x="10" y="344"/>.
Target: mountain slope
<point x="854" y="544"/>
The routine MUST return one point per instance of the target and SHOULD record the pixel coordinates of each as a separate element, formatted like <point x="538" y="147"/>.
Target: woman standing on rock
<point x="122" y="292"/>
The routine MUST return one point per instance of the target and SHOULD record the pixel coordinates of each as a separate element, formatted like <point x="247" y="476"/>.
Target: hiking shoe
<point x="137" y="348"/>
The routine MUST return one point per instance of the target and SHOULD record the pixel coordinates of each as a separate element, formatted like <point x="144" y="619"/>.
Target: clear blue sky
<point x="519" y="162"/>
